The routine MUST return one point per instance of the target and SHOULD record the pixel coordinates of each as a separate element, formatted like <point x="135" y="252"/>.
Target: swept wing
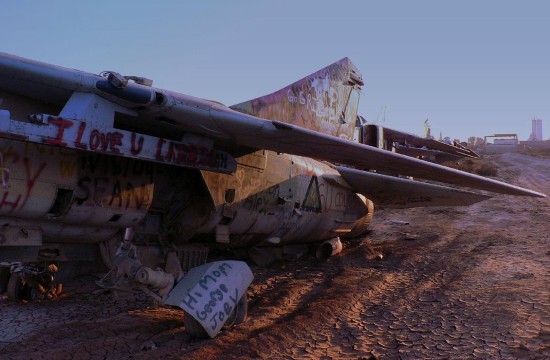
<point x="394" y="192"/>
<point x="230" y="129"/>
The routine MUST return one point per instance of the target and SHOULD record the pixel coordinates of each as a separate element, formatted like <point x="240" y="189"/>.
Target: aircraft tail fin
<point x="325" y="101"/>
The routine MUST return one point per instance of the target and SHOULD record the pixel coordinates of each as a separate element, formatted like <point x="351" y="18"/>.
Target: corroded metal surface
<point x="325" y="101"/>
<point x="290" y="200"/>
<point x="86" y="190"/>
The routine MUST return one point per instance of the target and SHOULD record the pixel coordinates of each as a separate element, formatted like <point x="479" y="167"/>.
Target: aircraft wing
<point x="394" y="192"/>
<point x="151" y="108"/>
<point x="282" y="137"/>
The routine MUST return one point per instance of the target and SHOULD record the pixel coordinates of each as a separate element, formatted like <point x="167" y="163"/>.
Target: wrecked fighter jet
<point x="156" y="180"/>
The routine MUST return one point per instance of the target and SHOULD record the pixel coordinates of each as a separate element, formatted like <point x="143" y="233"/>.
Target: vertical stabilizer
<point x="325" y="101"/>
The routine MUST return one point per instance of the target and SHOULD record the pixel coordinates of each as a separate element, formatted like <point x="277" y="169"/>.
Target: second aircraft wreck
<point x="155" y="179"/>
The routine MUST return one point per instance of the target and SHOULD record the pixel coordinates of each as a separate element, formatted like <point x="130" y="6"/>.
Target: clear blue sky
<point x="470" y="67"/>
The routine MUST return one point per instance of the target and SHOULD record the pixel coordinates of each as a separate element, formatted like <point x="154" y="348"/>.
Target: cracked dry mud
<point x="471" y="283"/>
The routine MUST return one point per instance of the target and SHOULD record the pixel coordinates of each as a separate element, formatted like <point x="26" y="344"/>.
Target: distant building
<point x="502" y="139"/>
<point x="502" y="143"/>
<point x="505" y="142"/>
<point x="536" y="133"/>
<point x="535" y="141"/>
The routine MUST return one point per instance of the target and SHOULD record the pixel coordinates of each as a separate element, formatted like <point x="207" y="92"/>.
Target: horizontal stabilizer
<point x="413" y="141"/>
<point x="393" y="192"/>
<point x="413" y="151"/>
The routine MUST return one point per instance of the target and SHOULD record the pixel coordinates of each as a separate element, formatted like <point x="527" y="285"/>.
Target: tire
<point x="18" y="290"/>
<point x="240" y="313"/>
<point x="193" y="327"/>
<point x="237" y="316"/>
<point x="4" y="279"/>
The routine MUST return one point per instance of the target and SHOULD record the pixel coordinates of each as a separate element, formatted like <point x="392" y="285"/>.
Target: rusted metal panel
<point x="325" y="101"/>
<point x="57" y="231"/>
<point x="20" y="236"/>
<point x="77" y="189"/>
<point x="248" y="179"/>
<point x="256" y="160"/>
<point x="290" y="201"/>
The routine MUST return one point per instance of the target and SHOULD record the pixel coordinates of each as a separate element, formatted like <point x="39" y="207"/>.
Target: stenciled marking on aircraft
<point x="333" y="198"/>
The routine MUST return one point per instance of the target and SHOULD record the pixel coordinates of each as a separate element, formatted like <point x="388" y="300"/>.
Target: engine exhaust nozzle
<point x="329" y="248"/>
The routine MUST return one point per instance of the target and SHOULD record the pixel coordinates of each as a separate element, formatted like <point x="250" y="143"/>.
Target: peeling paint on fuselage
<point x="325" y="101"/>
<point x="72" y="189"/>
<point x="86" y="196"/>
<point x="270" y="203"/>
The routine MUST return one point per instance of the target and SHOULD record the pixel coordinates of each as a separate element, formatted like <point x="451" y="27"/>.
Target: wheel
<point x="19" y="290"/>
<point x="193" y="327"/>
<point x="4" y="279"/>
<point x="239" y="314"/>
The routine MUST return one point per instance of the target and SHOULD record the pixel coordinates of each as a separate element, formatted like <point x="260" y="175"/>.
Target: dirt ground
<point x="470" y="282"/>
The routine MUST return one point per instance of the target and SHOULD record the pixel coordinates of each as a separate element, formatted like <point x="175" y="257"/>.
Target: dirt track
<point x="454" y="283"/>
